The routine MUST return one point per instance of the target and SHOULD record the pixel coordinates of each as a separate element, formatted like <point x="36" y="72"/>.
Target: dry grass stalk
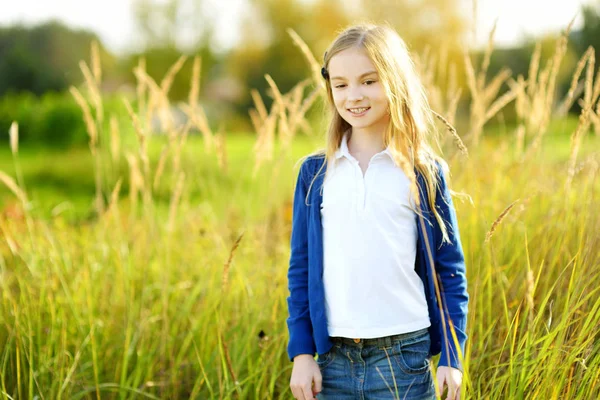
<point x="452" y="130"/>
<point x="175" y="197"/>
<point x="582" y="128"/>
<point x="13" y="133"/>
<point x="13" y="187"/>
<point x="113" y="206"/>
<point x="529" y="292"/>
<point x="297" y="108"/>
<point x="256" y="120"/>
<point x="183" y="134"/>
<point x="141" y="89"/>
<point x="204" y="127"/>
<point x="589" y="77"/>
<point x="195" y="86"/>
<point x="265" y="143"/>
<point x="165" y="84"/>
<point x="499" y="104"/>
<point x="534" y="66"/>
<point x="312" y="61"/>
<point x="115" y="139"/>
<point x="471" y="80"/>
<point x="259" y="104"/>
<point x="200" y="121"/>
<point x="285" y="133"/>
<point x="596" y="89"/>
<point x="295" y="95"/>
<point x="559" y="53"/>
<point x="162" y="160"/>
<point x="87" y="116"/>
<point x="483" y="106"/>
<point x="93" y="89"/>
<point x="228" y="361"/>
<point x="140" y="134"/>
<point x="221" y="148"/>
<point x="96" y="63"/>
<point x="13" y="245"/>
<point x="499" y="220"/>
<point x="308" y="102"/>
<point x="143" y="153"/>
<point x="569" y="98"/>
<point x="227" y="266"/>
<point x="157" y="101"/>
<point x="596" y="120"/>
<point x="491" y="92"/>
<point x="486" y="57"/>
<point x="136" y="181"/>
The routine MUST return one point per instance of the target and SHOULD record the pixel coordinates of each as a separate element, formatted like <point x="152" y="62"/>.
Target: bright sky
<point x="113" y="20"/>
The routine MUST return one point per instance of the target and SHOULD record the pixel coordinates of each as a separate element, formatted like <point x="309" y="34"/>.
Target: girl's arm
<point x="450" y="268"/>
<point x="299" y="324"/>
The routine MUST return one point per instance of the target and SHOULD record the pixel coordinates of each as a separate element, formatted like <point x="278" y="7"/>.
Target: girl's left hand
<point x="450" y="377"/>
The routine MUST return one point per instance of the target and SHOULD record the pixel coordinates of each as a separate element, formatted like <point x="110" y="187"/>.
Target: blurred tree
<point x="589" y="34"/>
<point x="172" y="23"/>
<point x="421" y="23"/>
<point x="44" y="57"/>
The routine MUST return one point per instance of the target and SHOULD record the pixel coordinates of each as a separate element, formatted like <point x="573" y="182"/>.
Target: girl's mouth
<point x="358" y="111"/>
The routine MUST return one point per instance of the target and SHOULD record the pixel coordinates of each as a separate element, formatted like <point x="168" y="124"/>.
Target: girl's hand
<point x="452" y="378"/>
<point x="304" y="372"/>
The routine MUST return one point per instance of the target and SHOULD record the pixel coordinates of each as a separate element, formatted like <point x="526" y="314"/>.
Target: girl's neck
<point x="363" y="142"/>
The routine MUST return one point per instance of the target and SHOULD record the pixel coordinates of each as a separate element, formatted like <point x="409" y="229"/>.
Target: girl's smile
<point x="359" y="112"/>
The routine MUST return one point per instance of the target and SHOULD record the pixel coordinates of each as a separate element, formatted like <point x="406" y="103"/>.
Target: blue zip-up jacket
<point x="307" y="321"/>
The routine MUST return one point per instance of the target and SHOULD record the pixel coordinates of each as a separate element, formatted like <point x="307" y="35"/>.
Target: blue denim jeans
<point x="393" y="367"/>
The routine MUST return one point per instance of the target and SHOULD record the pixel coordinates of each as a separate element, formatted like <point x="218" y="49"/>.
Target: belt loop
<point x="387" y="341"/>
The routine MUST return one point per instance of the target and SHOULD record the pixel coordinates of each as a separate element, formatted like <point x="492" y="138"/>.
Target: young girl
<point x="373" y="227"/>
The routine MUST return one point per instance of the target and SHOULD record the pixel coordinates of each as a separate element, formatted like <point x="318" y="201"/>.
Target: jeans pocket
<point x="323" y="360"/>
<point x="412" y="355"/>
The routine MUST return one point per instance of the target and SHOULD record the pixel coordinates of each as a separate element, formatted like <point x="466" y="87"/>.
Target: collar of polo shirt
<point x="344" y="151"/>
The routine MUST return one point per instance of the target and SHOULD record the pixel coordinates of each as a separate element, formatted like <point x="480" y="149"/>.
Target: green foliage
<point x="52" y="120"/>
<point x="43" y="58"/>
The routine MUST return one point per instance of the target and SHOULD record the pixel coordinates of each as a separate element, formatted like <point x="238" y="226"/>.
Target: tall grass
<point x="184" y="296"/>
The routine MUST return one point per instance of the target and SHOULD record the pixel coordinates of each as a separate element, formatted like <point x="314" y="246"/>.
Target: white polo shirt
<point x="369" y="247"/>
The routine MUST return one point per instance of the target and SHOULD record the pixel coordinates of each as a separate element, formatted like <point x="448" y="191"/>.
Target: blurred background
<point x="41" y="44"/>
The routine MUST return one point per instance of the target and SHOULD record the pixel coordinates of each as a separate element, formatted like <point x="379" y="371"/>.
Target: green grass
<point x="118" y="306"/>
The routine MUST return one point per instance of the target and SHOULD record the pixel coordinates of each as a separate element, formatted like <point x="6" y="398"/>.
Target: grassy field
<point x="171" y="282"/>
<point x="125" y="308"/>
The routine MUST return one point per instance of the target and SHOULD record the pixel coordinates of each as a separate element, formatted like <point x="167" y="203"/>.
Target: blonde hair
<point x="411" y="121"/>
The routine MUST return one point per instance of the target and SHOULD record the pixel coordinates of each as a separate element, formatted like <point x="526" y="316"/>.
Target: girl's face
<point x="357" y="91"/>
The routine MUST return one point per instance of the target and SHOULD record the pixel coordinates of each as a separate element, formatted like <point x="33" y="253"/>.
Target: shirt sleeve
<point x="299" y="324"/>
<point x="451" y="274"/>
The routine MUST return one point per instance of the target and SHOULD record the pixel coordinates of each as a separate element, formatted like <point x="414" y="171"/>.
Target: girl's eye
<point x="369" y="82"/>
<point x="339" y="86"/>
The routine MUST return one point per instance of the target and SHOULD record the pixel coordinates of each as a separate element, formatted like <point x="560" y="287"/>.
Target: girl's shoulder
<point x="312" y="164"/>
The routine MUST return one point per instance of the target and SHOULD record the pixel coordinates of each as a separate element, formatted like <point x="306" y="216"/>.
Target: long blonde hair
<point x="411" y="121"/>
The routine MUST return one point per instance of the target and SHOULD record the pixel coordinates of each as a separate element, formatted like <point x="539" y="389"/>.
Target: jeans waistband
<point x="385" y="341"/>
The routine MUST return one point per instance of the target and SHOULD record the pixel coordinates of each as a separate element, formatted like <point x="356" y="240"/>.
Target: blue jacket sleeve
<point x="299" y="324"/>
<point x="451" y="271"/>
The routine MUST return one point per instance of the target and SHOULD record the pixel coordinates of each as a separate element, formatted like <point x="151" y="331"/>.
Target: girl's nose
<point x="355" y="94"/>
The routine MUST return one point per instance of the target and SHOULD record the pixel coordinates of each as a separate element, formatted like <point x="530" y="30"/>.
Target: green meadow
<point x="158" y="268"/>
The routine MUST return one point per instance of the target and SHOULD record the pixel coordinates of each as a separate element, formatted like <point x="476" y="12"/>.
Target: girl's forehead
<point x="350" y="63"/>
